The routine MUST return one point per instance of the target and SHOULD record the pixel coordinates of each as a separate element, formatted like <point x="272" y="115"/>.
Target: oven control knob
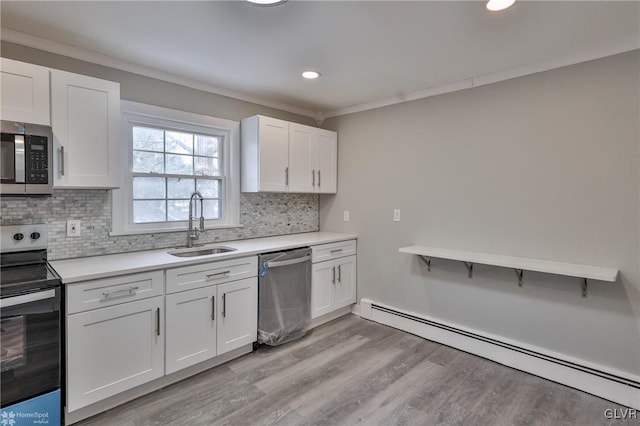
<point x="35" y="235"/>
<point x="19" y="236"/>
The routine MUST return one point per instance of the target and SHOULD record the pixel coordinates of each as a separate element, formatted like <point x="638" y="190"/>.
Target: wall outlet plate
<point x="346" y="215"/>
<point x="396" y="215"/>
<point x="73" y="227"/>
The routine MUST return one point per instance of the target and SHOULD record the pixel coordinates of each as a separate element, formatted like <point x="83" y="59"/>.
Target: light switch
<point x="396" y="215"/>
<point x="346" y="215"/>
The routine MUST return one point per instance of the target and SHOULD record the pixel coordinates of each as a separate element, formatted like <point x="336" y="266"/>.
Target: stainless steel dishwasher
<point x="284" y="296"/>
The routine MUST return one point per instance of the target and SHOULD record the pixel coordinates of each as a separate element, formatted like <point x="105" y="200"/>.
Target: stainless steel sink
<point x="201" y="251"/>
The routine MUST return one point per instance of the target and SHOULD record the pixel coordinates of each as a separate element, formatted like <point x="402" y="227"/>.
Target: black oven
<point x="30" y="328"/>
<point x="25" y="159"/>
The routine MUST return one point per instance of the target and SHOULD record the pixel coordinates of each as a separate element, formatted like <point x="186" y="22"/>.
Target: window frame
<point x="138" y="114"/>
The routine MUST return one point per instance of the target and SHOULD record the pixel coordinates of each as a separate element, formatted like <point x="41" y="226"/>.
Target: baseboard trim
<point x="613" y="386"/>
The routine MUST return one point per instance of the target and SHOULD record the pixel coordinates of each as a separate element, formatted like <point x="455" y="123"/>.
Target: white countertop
<point x="90" y="268"/>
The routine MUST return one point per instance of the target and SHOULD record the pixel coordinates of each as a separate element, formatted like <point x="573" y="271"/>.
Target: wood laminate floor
<point x="353" y="371"/>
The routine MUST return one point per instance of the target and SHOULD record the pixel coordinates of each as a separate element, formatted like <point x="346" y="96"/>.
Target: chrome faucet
<point x="193" y="233"/>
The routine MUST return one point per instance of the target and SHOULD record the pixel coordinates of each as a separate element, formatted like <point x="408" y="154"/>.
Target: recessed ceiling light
<point x="310" y="75"/>
<point x="267" y="2"/>
<point x="497" y="5"/>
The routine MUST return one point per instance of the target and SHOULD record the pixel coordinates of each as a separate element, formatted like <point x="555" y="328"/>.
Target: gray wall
<point x="544" y="166"/>
<point x="260" y="214"/>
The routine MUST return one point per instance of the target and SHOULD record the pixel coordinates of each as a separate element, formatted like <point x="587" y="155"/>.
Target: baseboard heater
<point x="623" y="390"/>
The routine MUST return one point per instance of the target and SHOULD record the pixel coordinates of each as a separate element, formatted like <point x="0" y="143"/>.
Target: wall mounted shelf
<point x="519" y="264"/>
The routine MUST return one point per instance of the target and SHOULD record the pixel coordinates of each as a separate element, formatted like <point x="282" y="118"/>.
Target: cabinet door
<point x="237" y="314"/>
<point x="325" y="149"/>
<point x="345" y="287"/>
<point x="24" y="92"/>
<point x="322" y="283"/>
<point x="191" y="328"/>
<point x="273" y="140"/>
<point x="85" y="119"/>
<point x="301" y="173"/>
<point x="110" y="350"/>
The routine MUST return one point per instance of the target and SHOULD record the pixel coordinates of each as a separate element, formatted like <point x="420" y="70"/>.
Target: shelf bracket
<point x="519" y="273"/>
<point x="584" y="287"/>
<point x="469" y="266"/>
<point x="427" y="261"/>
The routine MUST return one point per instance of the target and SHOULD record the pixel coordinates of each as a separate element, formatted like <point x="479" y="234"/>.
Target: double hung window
<point x="170" y="155"/>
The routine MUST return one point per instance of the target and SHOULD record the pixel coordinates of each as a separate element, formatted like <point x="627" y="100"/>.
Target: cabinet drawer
<point x="112" y="291"/>
<point x="333" y="251"/>
<point x="196" y="276"/>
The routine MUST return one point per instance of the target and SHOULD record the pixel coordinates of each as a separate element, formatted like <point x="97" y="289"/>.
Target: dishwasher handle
<point x="306" y="258"/>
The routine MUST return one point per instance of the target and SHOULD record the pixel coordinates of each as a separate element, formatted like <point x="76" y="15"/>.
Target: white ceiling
<point x="366" y="51"/>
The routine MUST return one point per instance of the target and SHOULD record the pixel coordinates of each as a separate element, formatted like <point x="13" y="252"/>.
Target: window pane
<point x="148" y="162"/>
<point x="179" y="188"/>
<point x="178" y="210"/>
<point x="206" y="166"/>
<point x="149" y="211"/>
<point x="212" y="209"/>
<point x="148" y="187"/>
<point x="148" y="139"/>
<point x="179" y="164"/>
<point x="206" y="146"/>
<point x="209" y="188"/>
<point x="180" y="143"/>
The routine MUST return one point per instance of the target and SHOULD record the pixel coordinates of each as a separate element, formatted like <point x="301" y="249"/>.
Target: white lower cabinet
<point x="127" y="330"/>
<point x="210" y="321"/>
<point x="237" y="314"/>
<point x="113" y="349"/>
<point x="191" y="328"/>
<point x="333" y="285"/>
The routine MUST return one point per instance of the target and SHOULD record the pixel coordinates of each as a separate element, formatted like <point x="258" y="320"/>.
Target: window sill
<point x="166" y="231"/>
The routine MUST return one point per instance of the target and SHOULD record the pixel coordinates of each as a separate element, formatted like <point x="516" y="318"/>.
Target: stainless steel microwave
<point x="25" y="159"/>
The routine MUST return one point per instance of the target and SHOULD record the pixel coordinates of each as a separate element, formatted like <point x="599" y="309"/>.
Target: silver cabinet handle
<point x="318" y="178"/>
<point x="336" y="251"/>
<point x="212" y="276"/>
<point x="339" y="274"/>
<point x="19" y="155"/>
<point x="333" y="275"/>
<point x="158" y="322"/>
<point x="286" y="176"/>
<point x="224" y="305"/>
<point x="213" y="308"/>
<point x="61" y="161"/>
<point x="124" y="292"/>
<point x="313" y="177"/>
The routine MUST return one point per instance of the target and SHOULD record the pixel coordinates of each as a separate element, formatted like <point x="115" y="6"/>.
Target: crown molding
<point x="63" y="49"/>
<point x="621" y="46"/>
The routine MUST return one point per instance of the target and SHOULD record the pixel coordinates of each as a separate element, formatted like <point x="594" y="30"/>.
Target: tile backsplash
<point x="261" y="215"/>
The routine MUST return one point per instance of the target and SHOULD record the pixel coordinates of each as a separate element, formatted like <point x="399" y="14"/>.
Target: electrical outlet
<point x="396" y="215"/>
<point x="346" y="215"/>
<point x="73" y="228"/>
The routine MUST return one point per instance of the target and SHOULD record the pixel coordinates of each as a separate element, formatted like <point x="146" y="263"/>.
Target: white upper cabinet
<point x="24" y="92"/>
<point x="325" y="154"/>
<point x="279" y="156"/>
<point x="85" y="119"/>
<point x="300" y="158"/>
<point x="265" y="154"/>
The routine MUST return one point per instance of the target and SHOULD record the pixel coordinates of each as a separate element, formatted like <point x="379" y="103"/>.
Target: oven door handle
<point x="27" y="298"/>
